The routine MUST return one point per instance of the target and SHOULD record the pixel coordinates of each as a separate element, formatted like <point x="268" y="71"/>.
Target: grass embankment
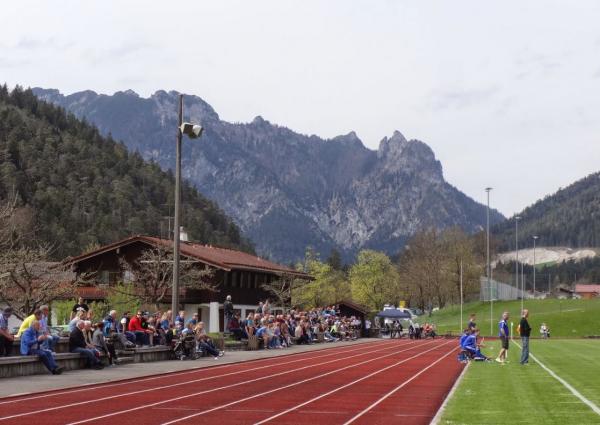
<point x="566" y="318"/>
<point x="513" y="394"/>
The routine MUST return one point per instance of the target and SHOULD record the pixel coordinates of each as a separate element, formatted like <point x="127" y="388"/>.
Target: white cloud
<point x="513" y="84"/>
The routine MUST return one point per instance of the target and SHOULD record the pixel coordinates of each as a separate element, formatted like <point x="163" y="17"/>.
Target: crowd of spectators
<point x="282" y="330"/>
<point x="94" y="339"/>
<point x="414" y="331"/>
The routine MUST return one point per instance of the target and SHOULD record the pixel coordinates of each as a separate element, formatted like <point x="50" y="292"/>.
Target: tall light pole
<point x="488" y="267"/>
<point x="192" y="131"/>
<point x="535" y="238"/>
<point x="517" y="218"/>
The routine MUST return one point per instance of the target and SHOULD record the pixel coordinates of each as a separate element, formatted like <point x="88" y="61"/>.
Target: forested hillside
<point x="570" y="217"/>
<point x="75" y="188"/>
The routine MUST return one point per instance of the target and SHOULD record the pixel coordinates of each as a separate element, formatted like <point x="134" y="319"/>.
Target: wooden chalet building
<point x="236" y="273"/>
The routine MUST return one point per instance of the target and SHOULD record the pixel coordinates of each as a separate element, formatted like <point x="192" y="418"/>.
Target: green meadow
<point x="566" y="318"/>
<point x="491" y="393"/>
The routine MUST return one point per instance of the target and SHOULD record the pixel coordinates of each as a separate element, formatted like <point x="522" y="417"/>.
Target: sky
<point x="506" y="93"/>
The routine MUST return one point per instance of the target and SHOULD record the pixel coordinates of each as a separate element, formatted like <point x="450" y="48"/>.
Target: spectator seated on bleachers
<point x="6" y="338"/>
<point x="50" y="342"/>
<point x="26" y="324"/>
<point x="204" y="343"/>
<point x="142" y="335"/>
<point x="165" y="328"/>
<point x="31" y="340"/>
<point x="100" y="343"/>
<point x="79" y="315"/>
<point x="77" y="344"/>
<point x="236" y="329"/>
<point x="113" y="332"/>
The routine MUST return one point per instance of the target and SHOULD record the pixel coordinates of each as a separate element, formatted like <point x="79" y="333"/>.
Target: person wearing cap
<point x="6" y="339"/>
<point x="31" y="341"/>
<point x="141" y="334"/>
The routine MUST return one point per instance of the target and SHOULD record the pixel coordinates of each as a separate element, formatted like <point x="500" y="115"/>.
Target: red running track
<point x="397" y="381"/>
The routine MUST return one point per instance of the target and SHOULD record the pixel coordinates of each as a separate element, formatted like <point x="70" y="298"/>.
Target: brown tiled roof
<point x="586" y="289"/>
<point x="222" y="258"/>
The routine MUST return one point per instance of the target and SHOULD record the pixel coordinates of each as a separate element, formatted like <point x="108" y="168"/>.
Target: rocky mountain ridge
<point x="286" y="190"/>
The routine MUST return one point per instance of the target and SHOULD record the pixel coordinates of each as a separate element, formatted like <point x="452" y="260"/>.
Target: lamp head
<point x="193" y="131"/>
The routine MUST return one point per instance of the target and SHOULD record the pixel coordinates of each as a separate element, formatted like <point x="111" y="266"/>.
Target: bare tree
<point x="282" y="288"/>
<point x="152" y="275"/>
<point x="28" y="280"/>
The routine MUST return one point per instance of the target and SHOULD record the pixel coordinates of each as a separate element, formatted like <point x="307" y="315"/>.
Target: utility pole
<point x="517" y="218"/>
<point x="535" y="238"/>
<point x="175" y="288"/>
<point x="488" y="266"/>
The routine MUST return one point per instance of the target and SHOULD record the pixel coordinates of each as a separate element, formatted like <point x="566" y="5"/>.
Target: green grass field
<point x="566" y="318"/>
<point x="491" y="393"/>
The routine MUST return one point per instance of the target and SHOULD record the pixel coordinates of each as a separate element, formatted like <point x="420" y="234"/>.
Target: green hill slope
<point x="566" y="318"/>
<point x="569" y="217"/>
<point x="83" y="189"/>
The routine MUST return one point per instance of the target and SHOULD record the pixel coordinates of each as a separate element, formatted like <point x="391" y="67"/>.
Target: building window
<point x="128" y="276"/>
<point x="104" y="277"/>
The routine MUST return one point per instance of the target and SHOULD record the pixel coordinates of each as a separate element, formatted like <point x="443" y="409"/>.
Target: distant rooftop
<point x="222" y="258"/>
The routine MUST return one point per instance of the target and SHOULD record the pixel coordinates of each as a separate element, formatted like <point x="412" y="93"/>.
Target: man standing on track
<point x="525" y="331"/>
<point x="503" y="334"/>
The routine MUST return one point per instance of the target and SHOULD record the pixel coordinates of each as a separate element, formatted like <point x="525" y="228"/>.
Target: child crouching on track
<point x="473" y="348"/>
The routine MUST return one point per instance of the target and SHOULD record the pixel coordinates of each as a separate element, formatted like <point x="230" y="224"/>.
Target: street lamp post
<point x="192" y="131"/>
<point x="488" y="267"/>
<point x="517" y="218"/>
<point x="535" y="238"/>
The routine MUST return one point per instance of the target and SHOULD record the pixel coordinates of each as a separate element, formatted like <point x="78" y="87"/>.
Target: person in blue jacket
<point x="471" y="346"/>
<point x="31" y="341"/>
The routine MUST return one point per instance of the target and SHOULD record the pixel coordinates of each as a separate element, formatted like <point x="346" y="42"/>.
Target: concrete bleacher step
<point x="124" y="360"/>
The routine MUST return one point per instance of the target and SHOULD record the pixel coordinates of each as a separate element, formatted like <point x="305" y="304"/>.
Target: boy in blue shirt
<point x="471" y="346"/>
<point x="503" y="334"/>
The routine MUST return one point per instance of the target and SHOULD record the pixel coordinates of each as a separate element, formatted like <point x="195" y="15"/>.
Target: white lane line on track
<point x="63" y="406"/>
<point x="296" y="407"/>
<point x="289" y="385"/>
<point x="438" y="416"/>
<point x="568" y="386"/>
<point x="146" y="405"/>
<point x="415" y="376"/>
<point x="79" y="388"/>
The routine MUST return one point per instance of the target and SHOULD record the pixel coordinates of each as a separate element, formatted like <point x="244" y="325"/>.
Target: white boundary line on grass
<point x="568" y="386"/>
<point x="438" y="416"/>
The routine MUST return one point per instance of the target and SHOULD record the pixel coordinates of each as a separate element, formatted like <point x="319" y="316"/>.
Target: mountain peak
<point x="127" y="92"/>
<point x="392" y="147"/>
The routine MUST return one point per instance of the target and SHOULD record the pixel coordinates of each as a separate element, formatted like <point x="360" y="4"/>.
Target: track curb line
<point x="438" y="416"/>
